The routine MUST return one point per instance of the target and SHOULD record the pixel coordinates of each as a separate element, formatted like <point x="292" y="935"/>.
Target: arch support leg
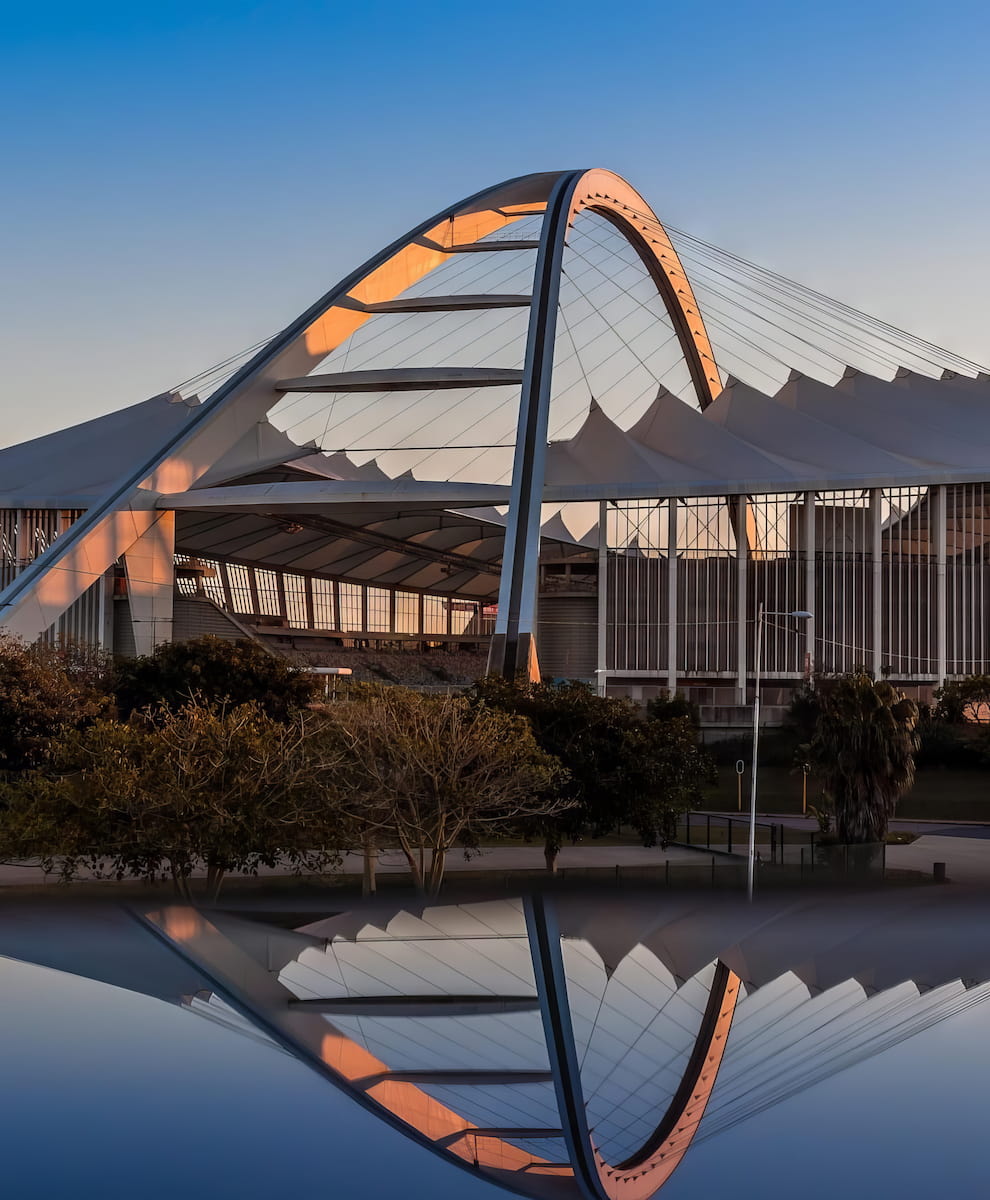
<point x="514" y="644"/>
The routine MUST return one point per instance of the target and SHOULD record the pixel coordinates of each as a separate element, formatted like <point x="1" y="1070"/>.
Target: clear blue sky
<point x="179" y="179"/>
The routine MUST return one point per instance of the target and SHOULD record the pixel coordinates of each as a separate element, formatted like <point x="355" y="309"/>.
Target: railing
<point x="780" y="845"/>
<point x="775" y="843"/>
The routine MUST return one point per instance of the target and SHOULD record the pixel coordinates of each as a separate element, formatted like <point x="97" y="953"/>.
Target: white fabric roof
<point x="861" y="432"/>
<point x="72" y="467"/>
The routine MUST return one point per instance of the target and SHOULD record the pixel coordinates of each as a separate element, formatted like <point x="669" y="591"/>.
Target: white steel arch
<point x="514" y="644"/>
<point x="132" y="519"/>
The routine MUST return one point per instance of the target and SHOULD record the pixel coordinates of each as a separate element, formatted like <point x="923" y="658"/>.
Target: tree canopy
<point x="863" y="745"/>
<point x="621" y="768"/>
<point x="963" y="701"/>
<point x="435" y="771"/>
<point x="228" y="788"/>
<point x="45" y="691"/>
<point x="215" y="670"/>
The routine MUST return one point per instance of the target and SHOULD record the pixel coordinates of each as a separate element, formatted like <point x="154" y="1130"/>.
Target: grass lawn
<point x="937" y="795"/>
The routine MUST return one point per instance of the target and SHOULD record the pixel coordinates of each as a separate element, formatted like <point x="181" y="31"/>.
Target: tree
<point x="435" y="772"/>
<point x="863" y="746"/>
<point x="217" y="671"/>
<point x="662" y="775"/>
<point x="230" y="789"/>
<point x="666" y="706"/>
<point x="622" y="769"/>
<point x="45" y="691"/>
<point x="964" y="701"/>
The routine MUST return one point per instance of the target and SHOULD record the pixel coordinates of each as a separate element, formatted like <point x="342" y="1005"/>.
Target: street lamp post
<point x="799" y="614"/>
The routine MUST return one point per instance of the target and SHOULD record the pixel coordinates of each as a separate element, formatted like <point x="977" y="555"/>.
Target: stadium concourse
<point x="584" y="487"/>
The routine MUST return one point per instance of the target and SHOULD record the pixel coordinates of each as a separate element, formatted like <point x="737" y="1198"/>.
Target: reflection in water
<point x="580" y="1046"/>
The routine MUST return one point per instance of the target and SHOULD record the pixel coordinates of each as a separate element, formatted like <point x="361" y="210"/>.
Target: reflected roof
<point x="679" y="1018"/>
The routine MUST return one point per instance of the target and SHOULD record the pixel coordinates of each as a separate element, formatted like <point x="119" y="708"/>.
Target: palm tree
<point x="863" y="748"/>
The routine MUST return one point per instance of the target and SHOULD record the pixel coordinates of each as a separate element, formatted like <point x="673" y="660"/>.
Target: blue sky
<point x="180" y="179"/>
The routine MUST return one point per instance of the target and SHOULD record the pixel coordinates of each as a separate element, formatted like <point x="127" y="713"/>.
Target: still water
<point x="832" y="1046"/>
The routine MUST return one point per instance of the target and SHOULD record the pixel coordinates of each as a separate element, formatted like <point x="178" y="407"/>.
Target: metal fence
<point x="779" y="845"/>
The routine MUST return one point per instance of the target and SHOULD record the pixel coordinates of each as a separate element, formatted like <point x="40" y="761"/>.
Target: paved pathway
<point x="502" y="858"/>
<point x="909" y="825"/>
<point x="966" y="855"/>
<point x="967" y="859"/>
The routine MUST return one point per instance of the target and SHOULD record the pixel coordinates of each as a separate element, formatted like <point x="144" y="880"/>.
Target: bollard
<point x="938" y="872"/>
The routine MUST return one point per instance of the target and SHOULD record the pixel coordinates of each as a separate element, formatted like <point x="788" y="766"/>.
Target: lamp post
<point x="798" y="614"/>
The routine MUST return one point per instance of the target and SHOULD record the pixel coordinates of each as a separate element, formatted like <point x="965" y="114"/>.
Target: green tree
<point x="663" y="773"/>
<point x="963" y="701"/>
<point x="45" y="691"/>
<point x="226" y="789"/>
<point x="666" y="707"/>
<point x="621" y="768"/>
<point x="435" y="772"/>
<point x="863" y="746"/>
<point x="215" y="670"/>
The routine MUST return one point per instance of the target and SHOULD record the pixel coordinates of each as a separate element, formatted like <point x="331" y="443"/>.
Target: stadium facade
<point x="865" y="501"/>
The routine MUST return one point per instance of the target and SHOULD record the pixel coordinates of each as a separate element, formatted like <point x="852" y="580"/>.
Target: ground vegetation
<point x="217" y="672"/>
<point x="863" y="741"/>
<point x="45" y="692"/>
<point x="170" y="792"/>
<point x="622" y="768"/>
<point x="433" y="772"/>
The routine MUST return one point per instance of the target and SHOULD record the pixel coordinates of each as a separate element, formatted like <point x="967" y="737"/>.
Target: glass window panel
<point x="350" y="606"/>
<point x="406" y="612"/>
<point x="379" y="614"/>
<point x="462" y="614"/>
<point x="213" y="581"/>
<point x="323" y="612"/>
<point x="435" y="614"/>
<point x="240" y="588"/>
<point x="295" y="600"/>
<point x="269" y="602"/>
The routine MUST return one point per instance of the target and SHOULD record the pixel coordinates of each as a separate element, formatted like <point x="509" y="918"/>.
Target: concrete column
<point x="672" y="614"/>
<point x="601" y="675"/>
<point x="876" y="537"/>
<point x="810" y="601"/>
<point x="228" y="595"/>
<point x="253" y="590"/>
<point x="106" y="612"/>
<point x="24" y="550"/>
<point x="741" y="505"/>
<point x="939" y="518"/>
<point x="149" y="565"/>
<point x="283" y="604"/>
<point x="310" y="608"/>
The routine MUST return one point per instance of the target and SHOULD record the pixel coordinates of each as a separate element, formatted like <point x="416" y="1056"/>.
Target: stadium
<point x="583" y="488"/>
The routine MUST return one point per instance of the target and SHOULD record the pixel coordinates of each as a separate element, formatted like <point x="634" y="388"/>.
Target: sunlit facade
<point x="627" y="533"/>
